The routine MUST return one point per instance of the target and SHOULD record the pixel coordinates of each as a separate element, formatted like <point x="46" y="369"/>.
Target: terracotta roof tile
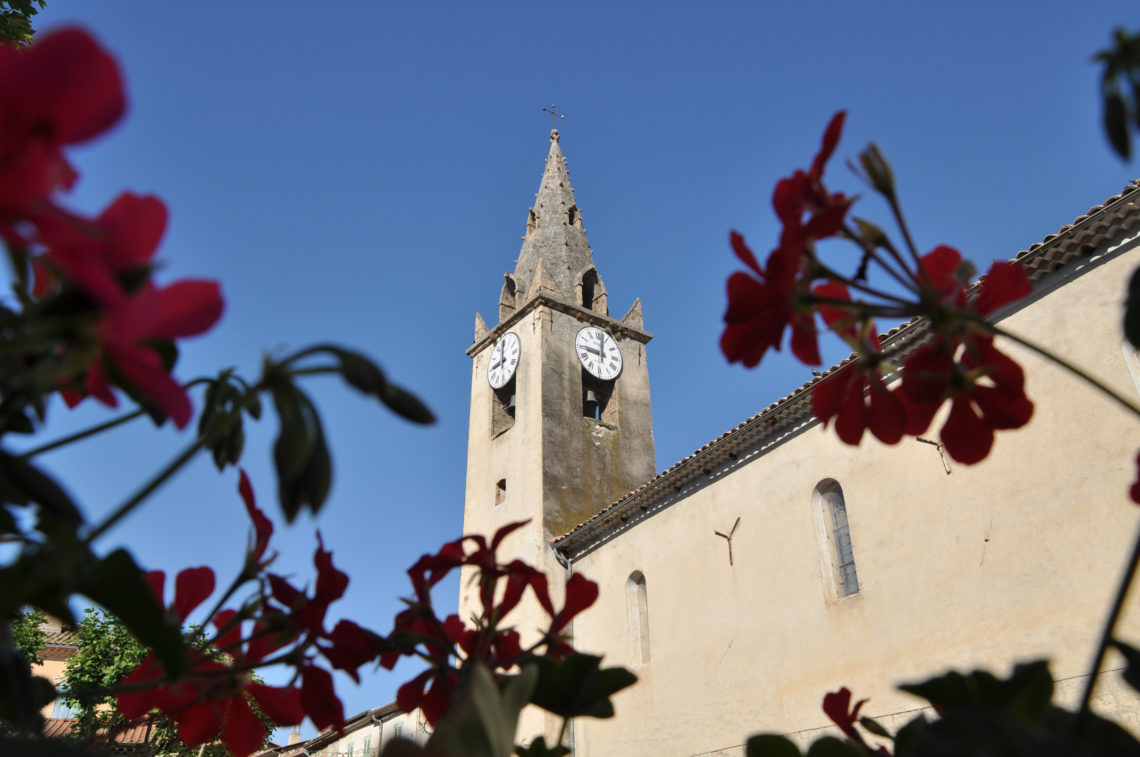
<point x="55" y="728"/>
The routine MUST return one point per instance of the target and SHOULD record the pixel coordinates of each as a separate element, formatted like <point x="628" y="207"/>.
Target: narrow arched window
<point x="637" y="603"/>
<point x="840" y="552"/>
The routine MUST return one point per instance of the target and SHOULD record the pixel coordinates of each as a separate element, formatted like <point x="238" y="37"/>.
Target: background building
<point x="776" y="563"/>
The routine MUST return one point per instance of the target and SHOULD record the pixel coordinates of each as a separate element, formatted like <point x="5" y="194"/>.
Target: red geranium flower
<point x="986" y="389"/>
<point x="62" y="90"/>
<point x="319" y="699"/>
<point x="760" y="310"/>
<point x="837" y="706"/>
<point x="191" y="588"/>
<point x="856" y="395"/>
<point x="803" y="193"/>
<point x="761" y="307"/>
<point x="186" y="308"/>
<point x="262" y="526"/>
<point x="211" y="701"/>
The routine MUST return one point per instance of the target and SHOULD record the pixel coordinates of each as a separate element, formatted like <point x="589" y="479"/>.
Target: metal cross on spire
<point x="554" y="116"/>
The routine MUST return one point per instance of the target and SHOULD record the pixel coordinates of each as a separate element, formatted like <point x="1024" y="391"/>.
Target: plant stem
<point x="1071" y="367"/>
<point x="149" y="488"/>
<point x="1105" y="639"/>
<point x="897" y="211"/>
<point x="220" y="426"/>
<point x="82" y="434"/>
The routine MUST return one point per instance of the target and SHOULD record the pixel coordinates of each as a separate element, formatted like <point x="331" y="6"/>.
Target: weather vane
<point x="553" y="116"/>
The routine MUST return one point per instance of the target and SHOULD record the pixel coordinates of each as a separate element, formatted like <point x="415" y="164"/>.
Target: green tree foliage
<point x="28" y="635"/>
<point x="106" y="654"/>
<point x="16" y="20"/>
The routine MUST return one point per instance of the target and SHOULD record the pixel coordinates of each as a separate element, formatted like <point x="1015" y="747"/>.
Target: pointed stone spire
<point x="555" y="237"/>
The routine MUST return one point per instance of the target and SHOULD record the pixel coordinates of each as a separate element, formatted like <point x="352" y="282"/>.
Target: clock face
<point x="598" y="353"/>
<point x="504" y="360"/>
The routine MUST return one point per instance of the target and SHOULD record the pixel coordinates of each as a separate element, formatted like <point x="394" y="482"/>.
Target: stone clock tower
<point x="560" y="416"/>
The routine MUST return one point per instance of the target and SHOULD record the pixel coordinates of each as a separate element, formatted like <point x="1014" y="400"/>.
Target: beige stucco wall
<point x="1011" y="559"/>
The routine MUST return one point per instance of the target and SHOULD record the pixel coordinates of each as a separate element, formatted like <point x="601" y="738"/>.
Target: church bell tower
<point x="560" y="417"/>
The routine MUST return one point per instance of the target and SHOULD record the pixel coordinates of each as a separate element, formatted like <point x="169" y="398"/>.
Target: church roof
<point x="1074" y="243"/>
<point x="555" y="251"/>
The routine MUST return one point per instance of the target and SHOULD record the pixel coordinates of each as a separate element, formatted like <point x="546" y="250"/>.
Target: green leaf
<point x="829" y="746"/>
<point x="1024" y="695"/>
<point x="407" y="405"/>
<point x="1132" y="310"/>
<point x="576" y="686"/>
<point x="873" y="726"/>
<point x="770" y="745"/>
<point x="483" y="719"/>
<point x="364" y="375"/>
<point x="1131" y="674"/>
<point x="118" y="584"/>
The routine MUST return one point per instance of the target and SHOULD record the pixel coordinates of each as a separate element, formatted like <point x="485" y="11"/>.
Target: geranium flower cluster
<point x="451" y="645"/>
<point x="959" y="363"/>
<point x="215" y="698"/>
<point x="837" y="707"/>
<point x="62" y="91"/>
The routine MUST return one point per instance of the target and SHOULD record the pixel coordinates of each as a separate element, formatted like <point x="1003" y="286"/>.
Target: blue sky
<point x="360" y="173"/>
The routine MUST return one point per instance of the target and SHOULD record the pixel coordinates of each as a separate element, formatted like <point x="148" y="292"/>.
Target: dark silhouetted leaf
<point x="1116" y="124"/>
<point x="1131" y="674"/>
<point x="483" y="721"/>
<point x="22" y="482"/>
<point x="829" y="746"/>
<point x="22" y="694"/>
<point x="1132" y="310"/>
<point x="538" y="748"/>
<point x="770" y="745"/>
<point x="1024" y="695"/>
<point x="873" y="726"/>
<point x="118" y="584"/>
<point x="576" y="686"/>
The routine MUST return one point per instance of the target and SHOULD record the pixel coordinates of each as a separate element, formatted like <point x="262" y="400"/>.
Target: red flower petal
<point x="887" y="415"/>
<point x="837" y="707"/>
<point x="744" y="252"/>
<point x="805" y="340"/>
<point x="134" y="225"/>
<point x="242" y="732"/>
<point x="852" y="420"/>
<point x="143" y="369"/>
<point x="331" y="582"/>
<point x="70" y="86"/>
<point x="939" y="267"/>
<point x="1006" y="282"/>
<point x="319" y="699"/>
<point x="966" y="437"/>
<point x="437" y="699"/>
<point x="262" y="526"/>
<point x="281" y="704"/>
<point x="831" y="137"/>
<point x="187" y="308"/>
<point x="409" y="695"/>
<point x="199" y="723"/>
<point x="230" y="641"/>
<point x="134" y="702"/>
<point x="191" y="589"/>
<point x="581" y="592"/>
